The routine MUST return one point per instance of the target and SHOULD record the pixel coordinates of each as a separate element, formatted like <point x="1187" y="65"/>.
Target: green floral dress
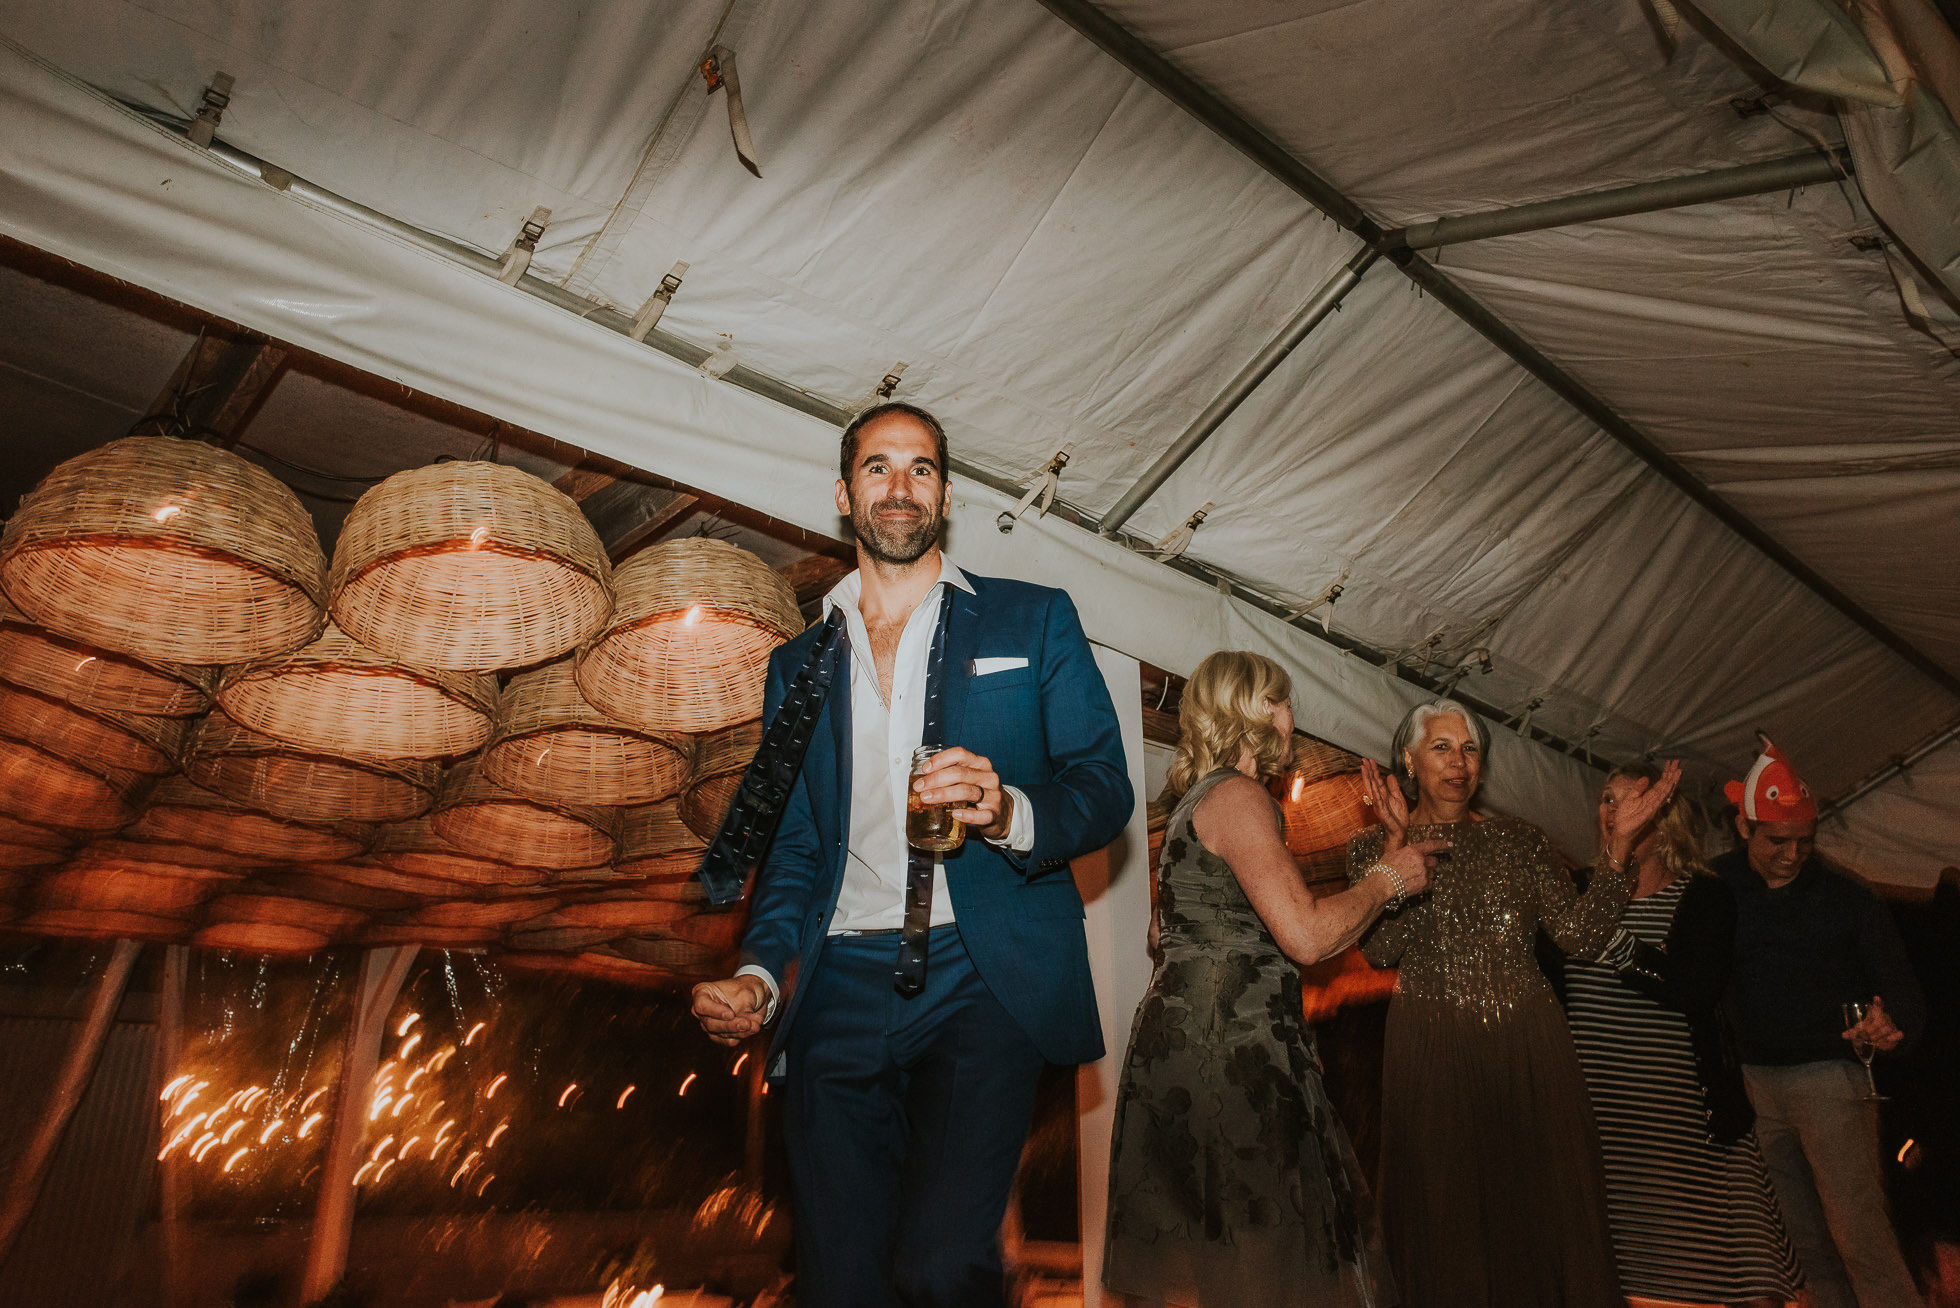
<point x="1231" y="1181"/>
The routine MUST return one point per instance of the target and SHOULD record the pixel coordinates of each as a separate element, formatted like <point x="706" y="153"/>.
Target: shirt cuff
<point x="769" y="1011"/>
<point x="1020" y="828"/>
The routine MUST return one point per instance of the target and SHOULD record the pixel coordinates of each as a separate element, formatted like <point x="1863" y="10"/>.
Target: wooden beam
<point x="30" y="1169"/>
<point x="173" y="1181"/>
<point x="218" y="384"/>
<point x="813" y="577"/>
<point x="383" y="970"/>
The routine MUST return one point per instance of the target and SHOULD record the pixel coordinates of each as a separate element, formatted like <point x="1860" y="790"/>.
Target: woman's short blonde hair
<point x="1225" y="710"/>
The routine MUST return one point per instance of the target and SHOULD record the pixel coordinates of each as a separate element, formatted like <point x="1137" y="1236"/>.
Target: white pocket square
<point x="982" y="667"/>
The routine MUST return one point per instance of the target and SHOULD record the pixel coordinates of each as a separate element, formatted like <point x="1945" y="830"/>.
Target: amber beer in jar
<point x="929" y="826"/>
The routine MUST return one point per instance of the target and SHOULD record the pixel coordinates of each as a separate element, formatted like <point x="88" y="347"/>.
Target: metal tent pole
<point x="1807" y="169"/>
<point x="30" y="1169"/>
<point x="1321" y="303"/>
<point x="382" y="972"/>
<point x="1896" y="767"/>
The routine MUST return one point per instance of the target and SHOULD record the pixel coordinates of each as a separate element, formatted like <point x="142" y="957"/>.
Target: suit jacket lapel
<point x="962" y="638"/>
<point x="839" y="802"/>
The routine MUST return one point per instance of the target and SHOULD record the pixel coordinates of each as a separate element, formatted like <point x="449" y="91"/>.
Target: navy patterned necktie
<point x="909" y="977"/>
<point x="764" y="794"/>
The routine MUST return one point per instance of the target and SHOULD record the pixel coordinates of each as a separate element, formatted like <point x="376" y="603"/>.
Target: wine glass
<point x="1855" y="1013"/>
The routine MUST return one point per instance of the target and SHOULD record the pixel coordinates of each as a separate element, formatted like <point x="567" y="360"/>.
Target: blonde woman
<point x="1693" y="1214"/>
<point x="1231" y="1181"/>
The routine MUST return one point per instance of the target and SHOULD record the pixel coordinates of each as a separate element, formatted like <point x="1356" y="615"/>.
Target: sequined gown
<point x="1231" y="1181"/>
<point x="1491" y="1188"/>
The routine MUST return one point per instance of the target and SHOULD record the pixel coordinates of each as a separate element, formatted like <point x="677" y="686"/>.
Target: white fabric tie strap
<point x="517" y="260"/>
<point x="1043" y="489"/>
<point x="1173" y="545"/>
<point x="718" y="69"/>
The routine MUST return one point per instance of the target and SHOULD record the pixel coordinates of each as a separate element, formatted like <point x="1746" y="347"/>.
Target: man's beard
<point x="896" y="538"/>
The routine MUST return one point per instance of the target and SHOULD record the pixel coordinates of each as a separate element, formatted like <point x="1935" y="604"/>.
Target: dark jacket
<point x="1690" y="974"/>
<point x="1801" y="952"/>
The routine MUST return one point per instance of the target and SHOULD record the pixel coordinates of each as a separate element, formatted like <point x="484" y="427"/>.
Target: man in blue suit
<point x="907" y="1104"/>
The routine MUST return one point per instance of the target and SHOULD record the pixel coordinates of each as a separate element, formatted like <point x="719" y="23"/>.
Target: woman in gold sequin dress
<point x="1490" y="1187"/>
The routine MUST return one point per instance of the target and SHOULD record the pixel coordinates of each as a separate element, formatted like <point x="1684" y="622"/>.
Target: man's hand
<point x="959" y="776"/>
<point x="731" y="1011"/>
<point x="1877" y="1028"/>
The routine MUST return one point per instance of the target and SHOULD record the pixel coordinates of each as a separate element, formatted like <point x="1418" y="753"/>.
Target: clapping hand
<point x="1386" y="799"/>
<point x="1634" y="815"/>
<point x="1414" y="862"/>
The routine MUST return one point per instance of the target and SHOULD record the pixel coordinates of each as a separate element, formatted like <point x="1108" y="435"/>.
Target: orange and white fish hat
<point x="1772" y="792"/>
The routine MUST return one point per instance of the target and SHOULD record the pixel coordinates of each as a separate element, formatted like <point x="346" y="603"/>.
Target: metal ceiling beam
<point x="1897" y="767"/>
<point x="1811" y="168"/>
<point x="1208" y="109"/>
<point x="1321" y="303"/>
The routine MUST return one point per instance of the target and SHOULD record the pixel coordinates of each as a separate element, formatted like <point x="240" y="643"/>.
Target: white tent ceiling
<point x="1060" y="254"/>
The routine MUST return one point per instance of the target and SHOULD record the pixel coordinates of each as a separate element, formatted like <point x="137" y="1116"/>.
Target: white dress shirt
<point x="883" y="736"/>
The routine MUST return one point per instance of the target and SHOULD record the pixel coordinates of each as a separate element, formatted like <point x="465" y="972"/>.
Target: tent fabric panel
<point x="1496" y="103"/>
<point x="86" y="184"/>
<point x="1905" y="831"/>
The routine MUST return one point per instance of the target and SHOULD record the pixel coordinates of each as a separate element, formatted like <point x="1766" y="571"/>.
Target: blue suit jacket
<point x="1049" y="729"/>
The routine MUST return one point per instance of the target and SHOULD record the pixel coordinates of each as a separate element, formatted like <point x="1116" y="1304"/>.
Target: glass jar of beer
<point x="929" y="826"/>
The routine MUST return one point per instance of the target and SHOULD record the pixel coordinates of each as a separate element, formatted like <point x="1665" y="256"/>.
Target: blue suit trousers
<point x="904" y="1122"/>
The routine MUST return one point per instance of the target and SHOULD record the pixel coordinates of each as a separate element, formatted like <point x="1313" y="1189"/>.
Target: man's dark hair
<point x="847" y="447"/>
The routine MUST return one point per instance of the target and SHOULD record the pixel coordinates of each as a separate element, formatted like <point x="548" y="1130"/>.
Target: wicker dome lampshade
<point x="469" y="567"/>
<point x="185" y="813"/>
<point x="166" y="549"/>
<point x="479" y="817"/>
<point x="337" y="696"/>
<point x="415" y="848"/>
<point x="688" y="645"/>
<point x="124" y="741"/>
<point x="43" y="789"/>
<point x="719" y="762"/>
<point x="37" y="659"/>
<point x="550" y="744"/>
<point x="655" y="844"/>
<point x="286" y="781"/>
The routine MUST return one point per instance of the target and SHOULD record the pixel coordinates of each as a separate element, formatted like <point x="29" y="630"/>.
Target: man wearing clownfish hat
<point x="1808" y="945"/>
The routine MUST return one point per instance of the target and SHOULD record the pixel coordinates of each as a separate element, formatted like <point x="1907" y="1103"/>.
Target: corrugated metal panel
<point x="79" y="1247"/>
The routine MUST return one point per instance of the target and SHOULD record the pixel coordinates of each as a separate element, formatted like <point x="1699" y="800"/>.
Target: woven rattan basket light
<point x="469" y="566"/>
<point x="305" y="884"/>
<point x="479" y="817"/>
<point x="185" y="859"/>
<point x="557" y="940"/>
<point x="688" y="645"/>
<point x="29" y="835"/>
<point x="102" y="924"/>
<point x="493" y="913"/>
<point x="369" y="874"/>
<point x="719" y="762"/>
<point x="125" y="741"/>
<point x="327" y="919"/>
<point x="92" y="678"/>
<point x="717" y="928"/>
<point x="1325" y="814"/>
<point x="167" y="549"/>
<point x="655" y="844"/>
<point x="123" y="890"/>
<point x="663" y="951"/>
<point x="274" y="938"/>
<point x="287" y="781"/>
<point x="418" y="849"/>
<point x="39" y="788"/>
<point x="549" y="743"/>
<point x="420" y="933"/>
<point x="182" y="811"/>
<point x="14" y="857"/>
<point x="337" y="696"/>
